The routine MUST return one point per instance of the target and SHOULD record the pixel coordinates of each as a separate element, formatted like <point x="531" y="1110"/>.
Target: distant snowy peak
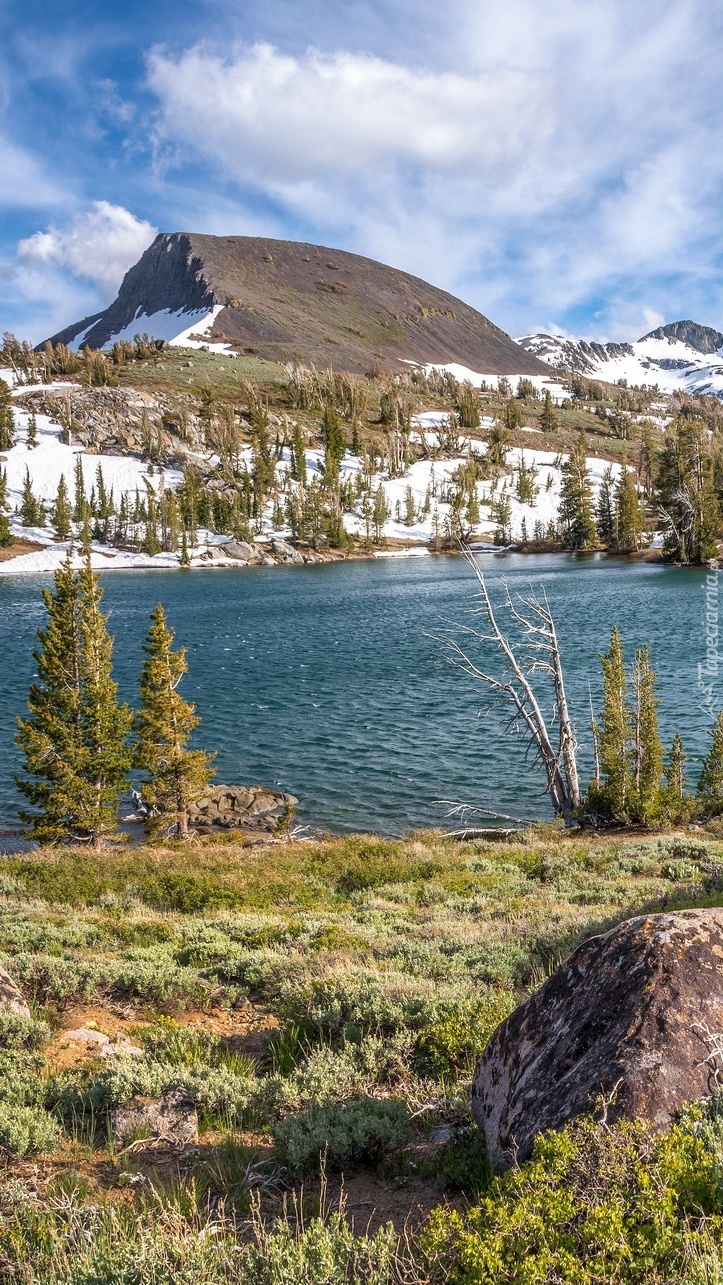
<point x="680" y="356"/>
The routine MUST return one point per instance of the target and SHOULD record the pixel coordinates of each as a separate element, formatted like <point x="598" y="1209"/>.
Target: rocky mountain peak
<point x="703" y="338"/>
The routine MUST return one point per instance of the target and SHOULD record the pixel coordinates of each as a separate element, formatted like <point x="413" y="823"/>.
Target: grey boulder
<point x="633" y="1018"/>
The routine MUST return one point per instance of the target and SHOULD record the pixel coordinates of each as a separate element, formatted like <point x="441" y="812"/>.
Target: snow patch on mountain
<point x="181" y="329"/>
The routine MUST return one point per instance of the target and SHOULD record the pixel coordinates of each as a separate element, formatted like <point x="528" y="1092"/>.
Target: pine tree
<point x="32" y="438"/>
<point x="647" y="749"/>
<point x="606" y="509"/>
<point x="548" y="418"/>
<point x="497" y="444"/>
<point x="615" y="734"/>
<point x="677" y="805"/>
<point x="298" y="455"/>
<point x="7" y="419"/>
<point x="164" y="723"/>
<point x="710" y="783"/>
<point x="29" y="507"/>
<point x="380" y="513"/>
<point x="334" y="443"/>
<point x="628" y="513"/>
<point x="81" y="504"/>
<point x="73" y="741"/>
<point x="185" y="559"/>
<point x="62" y="512"/>
<point x="577" y="512"/>
<point x="6" y="538"/>
<point x="105" y="725"/>
<point x="50" y="737"/>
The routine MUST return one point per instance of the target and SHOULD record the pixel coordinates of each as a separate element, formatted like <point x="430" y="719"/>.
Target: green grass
<point x="377" y="969"/>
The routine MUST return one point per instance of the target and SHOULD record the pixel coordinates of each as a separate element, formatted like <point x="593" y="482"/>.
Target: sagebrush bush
<point x="357" y="1131"/>
<point x="24" y="1129"/>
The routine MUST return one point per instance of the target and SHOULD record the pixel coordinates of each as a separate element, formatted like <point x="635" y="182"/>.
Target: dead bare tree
<point x="536" y="651"/>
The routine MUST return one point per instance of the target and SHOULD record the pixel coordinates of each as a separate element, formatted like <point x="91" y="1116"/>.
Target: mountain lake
<point x="330" y="681"/>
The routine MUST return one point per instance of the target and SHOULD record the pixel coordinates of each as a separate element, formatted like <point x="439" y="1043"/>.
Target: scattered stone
<point x="172" y="1119"/>
<point x="120" y="1047"/>
<point x="11" y="999"/>
<point x="236" y="807"/>
<point x="85" y="1035"/>
<point x="240" y="551"/>
<point x="634" y="1017"/>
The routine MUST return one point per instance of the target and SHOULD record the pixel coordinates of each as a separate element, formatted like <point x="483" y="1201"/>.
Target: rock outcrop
<point x="634" y="1017"/>
<point x="255" y="811"/>
<point x="11" y="999"/>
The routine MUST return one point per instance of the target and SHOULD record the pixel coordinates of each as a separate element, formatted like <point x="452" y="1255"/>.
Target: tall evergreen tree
<point x="710" y="782"/>
<point x="628" y="521"/>
<point x="6" y="538"/>
<point x="32" y="438"/>
<point x="686" y="492"/>
<point x="577" y="509"/>
<point x="548" y="418"/>
<point x="73" y="739"/>
<point x="675" y="797"/>
<point x="7" y="419"/>
<point x="105" y="724"/>
<point x="50" y="736"/>
<point x="606" y="509"/>
<point x="647" y="749"/>
<point x="615" y="734"/>
<point x="81" y="504"/>
<point x="164" y="723"/>
<point x="29" y="505"/>
<point x="62" y="513"/>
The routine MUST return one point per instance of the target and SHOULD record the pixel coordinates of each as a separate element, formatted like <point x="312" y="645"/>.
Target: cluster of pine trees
<point x="635" y="780"/>
<point x="79" y="741"/>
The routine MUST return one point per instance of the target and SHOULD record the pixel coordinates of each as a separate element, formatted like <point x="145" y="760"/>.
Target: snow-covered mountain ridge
<point x="682" y="355"/>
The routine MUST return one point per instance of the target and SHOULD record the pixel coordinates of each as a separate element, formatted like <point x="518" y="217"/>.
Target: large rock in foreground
<point x="636" y="1013"/>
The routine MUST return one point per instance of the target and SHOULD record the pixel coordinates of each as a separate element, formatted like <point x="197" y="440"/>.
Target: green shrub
<point x="595" y="1204"/>
<point x="452" y="1045"/>
<point x="461" y="1164"/>
<point x="27" y="1128"/>
<point x="22" y="1032"/>
<point x="359" y="1131"/>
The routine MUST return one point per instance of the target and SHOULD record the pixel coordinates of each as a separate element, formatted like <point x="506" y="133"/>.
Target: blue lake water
<point x="327" y="681"/>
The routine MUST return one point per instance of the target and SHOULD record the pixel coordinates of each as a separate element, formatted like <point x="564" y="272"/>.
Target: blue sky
<point x="556" y="163"/>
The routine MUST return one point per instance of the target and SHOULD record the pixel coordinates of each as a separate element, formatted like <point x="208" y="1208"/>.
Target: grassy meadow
<point x="322" y="1004"/>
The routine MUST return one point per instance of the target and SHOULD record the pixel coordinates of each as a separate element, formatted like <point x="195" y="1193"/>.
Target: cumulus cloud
<point x="100" y="244"/>
<point x="557" y="153"/>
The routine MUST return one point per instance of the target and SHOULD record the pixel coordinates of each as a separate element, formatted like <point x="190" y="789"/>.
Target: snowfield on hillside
<point x="426" y="486"/>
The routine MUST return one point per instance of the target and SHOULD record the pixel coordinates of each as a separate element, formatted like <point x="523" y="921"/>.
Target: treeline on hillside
<point x="250" y="468"/>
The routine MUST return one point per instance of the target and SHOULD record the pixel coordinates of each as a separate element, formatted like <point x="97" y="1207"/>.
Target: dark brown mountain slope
<point x="288" y="301"/>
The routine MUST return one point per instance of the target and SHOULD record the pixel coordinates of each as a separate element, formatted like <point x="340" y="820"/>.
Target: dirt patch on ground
<point x="243" y="1027"/>
<point x="18" y="548"/>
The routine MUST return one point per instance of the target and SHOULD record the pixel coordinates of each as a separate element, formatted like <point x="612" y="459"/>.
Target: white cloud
<point x="100" y="243"/>
<point x="24" y="185"/>
<point x="570" y="154"/>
